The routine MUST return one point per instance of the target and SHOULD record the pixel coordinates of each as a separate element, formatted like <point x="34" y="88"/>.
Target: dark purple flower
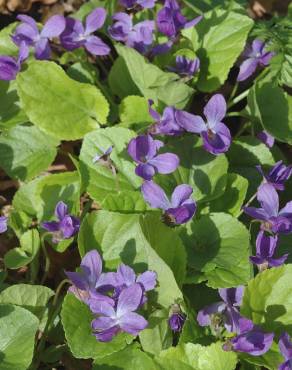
<point x="272" y="219"/>
<point x="185" y="66"/>
<point x="166" y="124"/>
<point x="9" y="66"/>
<point x="139" y="37"/>
<point x="143" y="150"/>
<point x="179" y="210"/>
<point x="66" y="227"/>
<point x="266" y="138"/>
<point x="76" y="35"/>
<point x="286" y="350"/>
<point x="226" y="310"/>
<point x="90" y="279"/>
<point x="251" y="340"/>
<point x="278" y="175"/>
<point x="176" y="319"/>
<point x="215" y="134"/>
<point x="265" y="248"/>
<point x="133" y="3"/>
<point x="104" y="154"/>
<point x="114" y="319"/>
<point x="3" y="224"/>
<point x="28" y="32"/>
<point x="256" y="55"/>
<point x="170" y="20"/>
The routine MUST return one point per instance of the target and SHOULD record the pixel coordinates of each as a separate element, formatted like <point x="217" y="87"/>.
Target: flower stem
<point x="191" y="6"/>
<point x="247" y="204"/>
<point x="47" y="263"/>
<point x="238" y="98"/>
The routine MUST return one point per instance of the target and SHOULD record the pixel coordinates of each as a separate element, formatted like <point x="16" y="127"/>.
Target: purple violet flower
<point x="104" y="154"/>
<point x="90" y="279"/>
<point x="227" y="309"/>
<point x="166" y="124"/>
<point x="286" y="350"/>
<point x="277" y="176"/>
<point x="66" y="227"/>
<point x="272" y="219"/>
<point x="170" y="20"/>
<point x="114" y="318"/>
<point x="9" y="66"/>
<point x="215" y="134"/>
<point x="76" y="35"/>
<point x="256" y="55"/>
<point x="251" y="340"/>
<point x="139" y="37"/>
<point x="146" y="4"/>
<point x="176" y="319"/>
<point x="266" y="138"/>
<point x="265" y="248"/>
<point x="186" y="67"/>
<point x="28" y="32"/>
<point x="179" y="210"/>
<point x="3" y="224"/>
<point x="143" y="150"/>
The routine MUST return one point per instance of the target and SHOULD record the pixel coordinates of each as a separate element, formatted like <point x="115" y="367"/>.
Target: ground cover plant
<point x="146" y="188"/>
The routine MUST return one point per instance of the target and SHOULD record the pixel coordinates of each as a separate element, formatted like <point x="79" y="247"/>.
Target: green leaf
<point x="134" y="112"/>
<point x="215" y="244"/>
<point x="218" y="41"/>
<point x="206" y="173"/>
<point x="83" y="72"/>
<point x="7" y="46"/>
<point x="130" y="358"/>
<point x="142" y="242"/>
<point x="232" y="200"/>
<point x="266" y="299"/>
<point x="17" y="335"/>
<point x="63" y="107"/>
<point x="56" y="187"/>
<point x="273" y="105"/>
<point x="26" y="151"/>
<point x="11" y="113"/>
<point x="157" y="336"/>
<point x="194" y="356"/>
<point x="34" y="298"/>
<point x="23" y="255"/>
<point x="76" y="320"/>
<point x="24" y="199"/>
<point x="152" y="82"/>
<point x="115" y="191"/>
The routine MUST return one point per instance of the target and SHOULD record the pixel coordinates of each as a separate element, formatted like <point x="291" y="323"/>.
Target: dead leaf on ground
<point x="21" y="5"/>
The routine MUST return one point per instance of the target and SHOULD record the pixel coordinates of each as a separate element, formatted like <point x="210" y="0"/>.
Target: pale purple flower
<point x="166" y="124"/>
<point x="146" y="4"/>
<point x="170" y="20"/>
<point x="179" y="210"/>
<point x="265" y="249"/>
<point x="104" y="154"/>
<point x="185" y="66"/>
<point x="88" y="283"/>
<point x="29" y="33"/>
<point x="277" y="176"/>
<point x="266" y="138"/>
<point x="271" y="218"/>
<point x="120" y="317"/>
<point x="139" y="36"/>
<point x="3" y="224"/>
<point x="227" y="309"/>
<point x="251" y="340"/>
<point x="76" y="35"/>
<point x="176" y="319"/>
<point x="215" y="134"/>
<point x="9" y="66"/>
<point x="143" y="150"/>
<point x="66" y="226"/>
<point x="285" y="346"/>
<point x="256" y="55"/>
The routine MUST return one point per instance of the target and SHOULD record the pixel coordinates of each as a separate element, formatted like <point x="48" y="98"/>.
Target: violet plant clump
<point x="145" y="186"/>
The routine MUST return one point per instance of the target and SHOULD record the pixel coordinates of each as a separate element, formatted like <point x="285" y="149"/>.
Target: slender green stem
<point x="247" y="204"/>
<point x="58" y="290"/>
<point x="47" y="258"/>
<point x="235" y="114"/>
<point x="233" y="92"/>
<point x="193" y="7"/>
<point x="238" y="98"/>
